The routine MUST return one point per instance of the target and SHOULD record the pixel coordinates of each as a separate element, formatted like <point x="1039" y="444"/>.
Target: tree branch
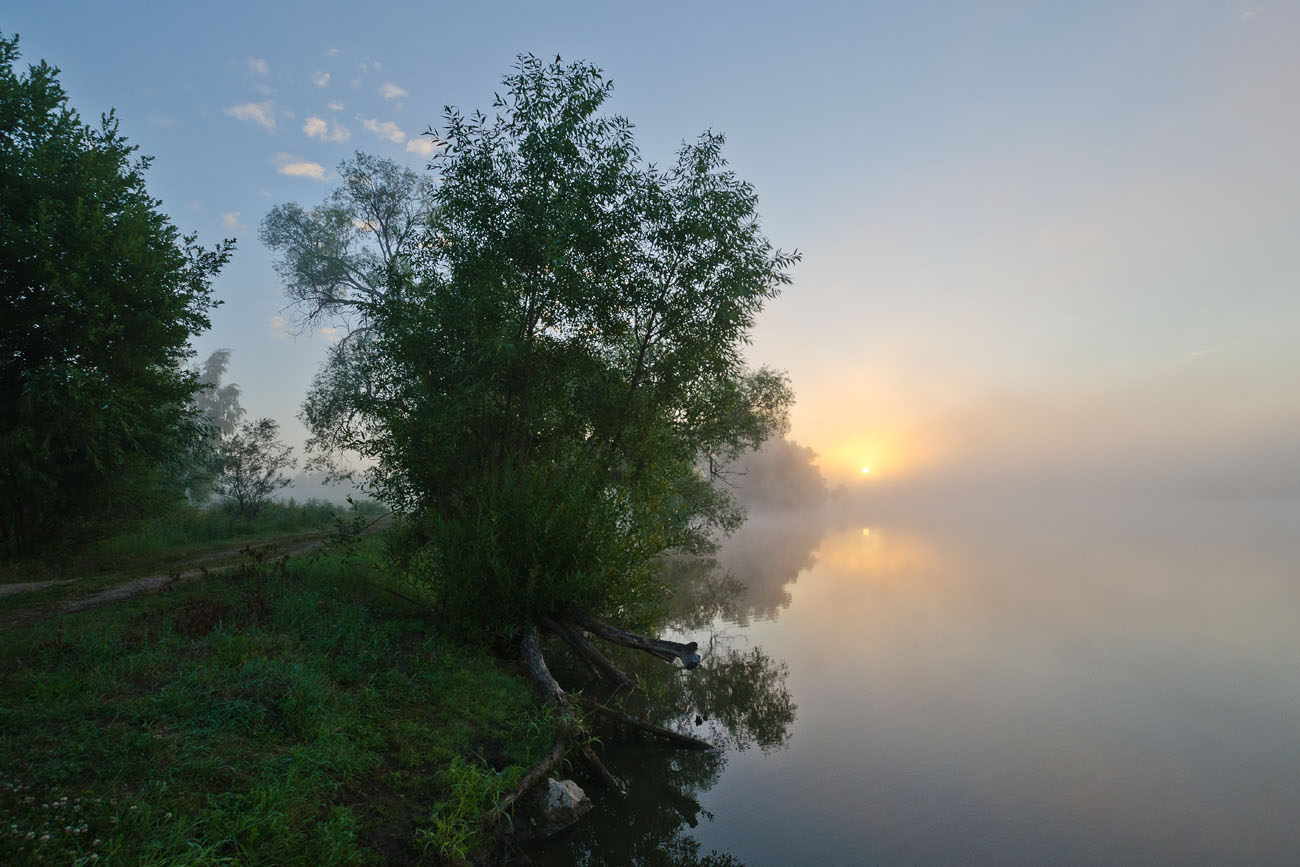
<point x="665" y="650"/>
<point x="598" y="662"/>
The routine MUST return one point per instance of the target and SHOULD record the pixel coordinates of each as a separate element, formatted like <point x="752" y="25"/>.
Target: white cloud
<point x="334" y="105"/>
<point x="230" y="220"/>
<point x="319" y="127"/>
<point x="423" y="146"/>
<point x="387" y="129"/>
<point x="158" y="118"/>
<point x="320" y="79"/>
<point x="286" y="164"/>
<point x="260" y="113"/>
<point x="392" y="91"/>
<point x="258" y="66"/>
<point x="333" y="52"/>
<point x="330" y="333"/>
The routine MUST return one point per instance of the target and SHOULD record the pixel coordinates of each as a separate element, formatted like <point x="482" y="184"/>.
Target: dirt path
<point x="154" y="583"/>
<point x="14" y="589"/>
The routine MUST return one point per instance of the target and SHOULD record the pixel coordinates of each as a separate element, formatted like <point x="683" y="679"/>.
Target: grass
<point x="277" y="715"/>
<point x="186" y="527"/>
<point x="184" y="538"/>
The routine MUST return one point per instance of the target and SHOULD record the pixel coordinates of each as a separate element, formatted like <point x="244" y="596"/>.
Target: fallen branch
<point x="666" y="733"/>
<point x="665" y="650"/>
<point x="596" y="661"/>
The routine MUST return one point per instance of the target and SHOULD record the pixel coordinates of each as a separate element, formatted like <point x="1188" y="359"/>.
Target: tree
<point x="218" y="404"/>
<point x="252" y="461"/>
<point x="219" y="412"/>
<point x="101" y="296"/>
<point x="541" y="386"/>
<point x="338" y="257"/>
<point x="536" y="393"/>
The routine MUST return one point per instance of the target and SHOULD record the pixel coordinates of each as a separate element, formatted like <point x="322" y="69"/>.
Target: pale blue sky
<point x="1036" y="235"/>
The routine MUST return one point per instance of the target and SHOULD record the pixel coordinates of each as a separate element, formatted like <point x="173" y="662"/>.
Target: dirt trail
<point x="14" y="589"/>
<point x="153" y="583"/>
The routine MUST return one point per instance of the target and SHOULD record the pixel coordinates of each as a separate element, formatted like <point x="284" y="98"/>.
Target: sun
<point x="866" y="470"/>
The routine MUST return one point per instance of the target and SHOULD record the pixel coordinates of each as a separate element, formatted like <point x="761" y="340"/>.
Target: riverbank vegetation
<point x="278" y="712"/>
<point x="542" y="370"/>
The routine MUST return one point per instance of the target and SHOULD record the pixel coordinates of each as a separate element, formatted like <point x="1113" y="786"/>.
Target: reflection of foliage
<point x="701" y="592"/>
<point x="748" y="576"/>
<point x="742" y="694"/>
<point x="649" y="826"/>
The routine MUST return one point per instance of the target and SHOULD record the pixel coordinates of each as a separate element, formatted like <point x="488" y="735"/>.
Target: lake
<point x="1099" y="683"/>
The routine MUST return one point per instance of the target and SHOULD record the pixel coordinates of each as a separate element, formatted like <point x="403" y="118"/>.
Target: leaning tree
<point x="545" y="392"/>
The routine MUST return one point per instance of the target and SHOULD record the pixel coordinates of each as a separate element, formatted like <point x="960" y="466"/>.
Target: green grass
<point x="177" y="539"/>
<point x="297" y="716"/>
<point x="186" y="527"/>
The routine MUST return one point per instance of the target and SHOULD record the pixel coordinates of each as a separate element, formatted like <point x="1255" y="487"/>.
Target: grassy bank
<point x="270" y="714"/>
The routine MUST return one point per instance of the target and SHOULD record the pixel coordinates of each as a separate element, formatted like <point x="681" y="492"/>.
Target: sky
<point x="1046" y="245"/>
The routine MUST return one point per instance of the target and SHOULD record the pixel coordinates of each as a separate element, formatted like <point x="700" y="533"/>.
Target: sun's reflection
<point x="879" y="554"/>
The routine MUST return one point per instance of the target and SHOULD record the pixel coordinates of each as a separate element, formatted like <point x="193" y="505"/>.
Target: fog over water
<point x="1046" y="679"/>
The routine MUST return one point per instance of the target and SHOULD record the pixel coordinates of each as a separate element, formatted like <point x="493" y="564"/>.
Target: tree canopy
<point x="340" y="255"/>
<point x="541" y="389"/>
<point x="101" y="295"/>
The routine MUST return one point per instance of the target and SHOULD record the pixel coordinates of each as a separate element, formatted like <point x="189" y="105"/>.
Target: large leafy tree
<point x="101" y="295"/>
<point x="539" y="390"/>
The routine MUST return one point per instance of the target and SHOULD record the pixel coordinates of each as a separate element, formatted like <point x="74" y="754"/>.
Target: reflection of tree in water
<point x="736" y="698"/>
<point x="649" y="827"/>
<point x="748" y="576"/>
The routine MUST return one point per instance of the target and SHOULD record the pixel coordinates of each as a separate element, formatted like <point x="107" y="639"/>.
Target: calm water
<point x="1116" y="684"/>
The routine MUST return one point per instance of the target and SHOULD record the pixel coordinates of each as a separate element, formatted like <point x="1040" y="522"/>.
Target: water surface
<point x="1102" y="684"/>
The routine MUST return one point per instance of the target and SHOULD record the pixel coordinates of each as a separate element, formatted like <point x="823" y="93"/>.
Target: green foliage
<point x="101" y="295"/>
<point x="538" y="391"/>
<point x="252" y="461"/>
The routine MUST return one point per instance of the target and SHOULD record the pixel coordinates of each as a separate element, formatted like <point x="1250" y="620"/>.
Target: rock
<point x="558" y="803"/>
